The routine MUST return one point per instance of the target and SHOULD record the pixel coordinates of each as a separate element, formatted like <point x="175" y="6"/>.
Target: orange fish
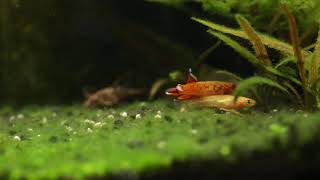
<point x="194" y="88"/>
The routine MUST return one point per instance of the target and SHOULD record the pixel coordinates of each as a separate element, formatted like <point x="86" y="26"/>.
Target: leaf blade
<point x="295" y="40"/>
<point x="283" y="75"/>
<point x="315" y="63"/>
<point x="267" y="40"/>
<point x="247" y="84"/>
<point x="237" y="47"/>
<point x="255" y="40"/>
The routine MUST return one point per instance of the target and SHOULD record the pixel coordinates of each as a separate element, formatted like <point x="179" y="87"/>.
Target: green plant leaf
<point x="156" y="86"/>
<point x="285" y="61"/>
<point x="230" y="74"/>
<point x="176" y="76"/>
<point x="283" y="75"/>
<point x="315" y="63"/>
<point x="295" y="40"/>
<point x="249" y="83"/>
<point x="174" y="3"/>
<point x="255" y="40"/>
<point x="267" y="40"/>
<point x="204" y="55"/>
<point x="291" y="71"/>
<point x="294" y="91"/>
<point x="237" y="47"/>
<point x="307" y="62"/>
<point x="250" y="57"/>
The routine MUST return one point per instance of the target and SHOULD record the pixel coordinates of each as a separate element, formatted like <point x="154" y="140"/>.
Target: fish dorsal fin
<point x="191" y="77"/>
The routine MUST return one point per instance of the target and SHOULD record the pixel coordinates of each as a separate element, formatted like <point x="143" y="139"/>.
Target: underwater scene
<point x="159" y="89"/>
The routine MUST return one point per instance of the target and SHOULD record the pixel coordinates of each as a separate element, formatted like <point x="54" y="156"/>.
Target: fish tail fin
<point x="172" y="92"/>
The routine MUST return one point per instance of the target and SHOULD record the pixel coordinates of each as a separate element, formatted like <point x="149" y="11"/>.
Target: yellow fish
<point x="225" y="102"/>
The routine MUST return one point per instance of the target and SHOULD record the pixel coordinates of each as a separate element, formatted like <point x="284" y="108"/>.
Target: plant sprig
<point x="307" y="63"/>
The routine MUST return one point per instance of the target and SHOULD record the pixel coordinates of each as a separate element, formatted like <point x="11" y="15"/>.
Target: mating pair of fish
<point x="216" y="94"/>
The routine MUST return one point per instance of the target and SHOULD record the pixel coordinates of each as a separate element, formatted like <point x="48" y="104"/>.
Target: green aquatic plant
<point x="297" y="69"/>
<point x="259" y="12"/>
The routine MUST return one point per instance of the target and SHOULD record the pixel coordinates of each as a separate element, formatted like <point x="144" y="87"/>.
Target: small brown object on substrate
<point x="110" y="96"/>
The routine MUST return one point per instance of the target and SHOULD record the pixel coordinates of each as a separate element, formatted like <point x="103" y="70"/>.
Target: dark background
<point x="52" y="50"/>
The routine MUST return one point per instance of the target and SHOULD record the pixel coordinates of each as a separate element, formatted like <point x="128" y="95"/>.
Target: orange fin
<point x="184" y="97"/>
<point x="191" y="77"/>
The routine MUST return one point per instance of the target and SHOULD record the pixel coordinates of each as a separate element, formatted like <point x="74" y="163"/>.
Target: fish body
<point x="224" y="102"/>
<point x="194" y="88"/>
<point x="206" y="88"/>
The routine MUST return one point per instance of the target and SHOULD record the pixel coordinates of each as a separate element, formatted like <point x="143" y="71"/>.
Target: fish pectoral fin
<point x="191" y="77"/>
<point x="184" y="97"/>
<point x="231" y="111"/>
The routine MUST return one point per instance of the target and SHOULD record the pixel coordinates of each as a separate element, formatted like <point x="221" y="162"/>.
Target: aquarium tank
<point x="159" y="89"/>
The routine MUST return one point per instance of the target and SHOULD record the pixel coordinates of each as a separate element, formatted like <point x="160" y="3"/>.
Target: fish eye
<point x="249" y="102"/>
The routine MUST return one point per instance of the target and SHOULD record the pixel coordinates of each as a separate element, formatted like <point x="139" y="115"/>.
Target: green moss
<point x="259" y="12"/>
<point x="75" y="142"/>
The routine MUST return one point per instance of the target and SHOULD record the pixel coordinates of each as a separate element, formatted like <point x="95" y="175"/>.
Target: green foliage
<point x="250" y="83"/>
<point x="229" y="74"/>
<point x="306" y="63"/>
<point x="266" y="40"/>
<point x="285" y="61"/>
<point x="156" y="86"/>
<point x="251" y="57"/>
<point x="76" y="143"/>
<point x="259" y="12"/>
<point x="176" y="76"/>
<point x="256" y="42"/>
<point x="174" y="3"/>
<point x="237" y="47"/>
<point x="314" y="77"/>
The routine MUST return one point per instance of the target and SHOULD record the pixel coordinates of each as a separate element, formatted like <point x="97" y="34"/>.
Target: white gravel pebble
<point x="30" y="129"/>
<point x="12" y="118"/>
<point x="138" y="116"/>
<point x="183" y="109"/>
<point x="143" y="104"/>
<point x="89" y="121"/>
<point x="157" y="116"/>
<point x="54" y="114"/>
<point x="89" y="130"/>
<point x="110" y="116"/>
<point x="124" y="114"/>
<point x="99" y="124"/>
<point x="193" y="131"/>
<point x="44" y="120"/>
<point x="17" y="138"/>
<point x="20" y="116"/>
<point x="69" y="128"/>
